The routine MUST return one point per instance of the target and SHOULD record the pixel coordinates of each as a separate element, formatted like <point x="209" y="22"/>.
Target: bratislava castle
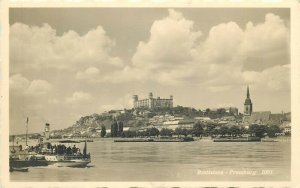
<point x="151" y="102"/>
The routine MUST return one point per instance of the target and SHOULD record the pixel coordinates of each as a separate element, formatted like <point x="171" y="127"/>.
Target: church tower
<point x="248" y="104"/>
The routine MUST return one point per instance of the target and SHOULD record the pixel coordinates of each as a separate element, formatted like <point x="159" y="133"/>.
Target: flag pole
<point x="26" y="129"/>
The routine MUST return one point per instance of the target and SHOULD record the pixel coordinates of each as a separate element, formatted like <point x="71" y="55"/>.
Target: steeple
<point x="248" y="104"/>
<point x="248" y="93"/>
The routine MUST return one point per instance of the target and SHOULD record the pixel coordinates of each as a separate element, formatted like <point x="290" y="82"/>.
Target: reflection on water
<point x="187" y="161"/>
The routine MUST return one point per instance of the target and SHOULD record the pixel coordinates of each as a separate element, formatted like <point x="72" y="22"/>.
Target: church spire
<point x="248" y="93"/>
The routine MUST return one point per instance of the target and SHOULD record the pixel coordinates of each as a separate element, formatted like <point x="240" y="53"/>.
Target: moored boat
<point x="23" y="169"/>
<point x="238" y="139"/>
<point x="183" y="139"/>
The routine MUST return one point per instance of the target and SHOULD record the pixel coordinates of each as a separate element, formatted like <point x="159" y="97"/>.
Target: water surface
<point x="186" y="161"/>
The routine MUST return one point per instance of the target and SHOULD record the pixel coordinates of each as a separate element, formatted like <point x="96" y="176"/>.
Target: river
<point x="187" y="161"/>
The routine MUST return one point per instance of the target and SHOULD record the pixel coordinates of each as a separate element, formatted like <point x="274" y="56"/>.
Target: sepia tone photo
<point x="149" y="94"/>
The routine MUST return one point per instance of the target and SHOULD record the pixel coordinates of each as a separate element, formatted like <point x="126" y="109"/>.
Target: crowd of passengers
<point x="58" y="149"/>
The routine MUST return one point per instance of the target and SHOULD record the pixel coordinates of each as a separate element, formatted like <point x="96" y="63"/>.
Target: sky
<point x="66" y="63"/>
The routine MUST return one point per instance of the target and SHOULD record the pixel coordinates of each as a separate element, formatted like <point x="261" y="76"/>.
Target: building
<point x="287" y="130"/>
<point x="151" y="102"/>
<point x="260" y="118"/>
<point x="248" y="108"/>
<point x="232" y="110"/>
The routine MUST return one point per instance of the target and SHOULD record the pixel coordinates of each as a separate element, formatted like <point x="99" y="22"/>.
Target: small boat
<point x="269" y="140"/>
<point x="24" y="169"/>
<point x="69" y="141"/>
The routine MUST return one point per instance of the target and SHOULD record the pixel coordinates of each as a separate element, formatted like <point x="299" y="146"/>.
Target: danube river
<point x="187" y="161"/>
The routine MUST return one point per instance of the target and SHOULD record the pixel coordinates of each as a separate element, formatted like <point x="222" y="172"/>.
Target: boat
<point x="237" y="139"/>
<point x="69" y="141"/>
<point x="67" y="160"/>
<point x="184" y="139"/>
<point x="269" y="140"/>
<point x="12" y="169"/>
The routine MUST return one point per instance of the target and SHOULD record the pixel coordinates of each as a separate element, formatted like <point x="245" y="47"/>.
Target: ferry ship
<point x="65" y="160"/>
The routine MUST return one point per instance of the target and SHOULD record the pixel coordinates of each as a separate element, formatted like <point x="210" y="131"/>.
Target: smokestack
<point x="47" y="131"/>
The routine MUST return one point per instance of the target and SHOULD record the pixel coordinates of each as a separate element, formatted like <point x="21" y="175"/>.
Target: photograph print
<point x="149" y="94"/>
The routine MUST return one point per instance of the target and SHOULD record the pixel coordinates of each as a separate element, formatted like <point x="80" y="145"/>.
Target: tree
<point x="166" y="132"/>
<point x="223" y="130"/>
<point x="103" y="131"/>
<point x="152" y="131"/>
<point x="209" y="129"/>
<point x="128" y="134"/>
<point x="178" y="131"/>
<point x="198" y="129"/>
<point x="114" y="129"/>
<point x="272" y="130"/>
<point x="258" y="130"/>
<point x="235" y="130"/>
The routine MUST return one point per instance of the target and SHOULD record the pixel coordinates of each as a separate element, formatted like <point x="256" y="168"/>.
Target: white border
<point x="295" y="82"/>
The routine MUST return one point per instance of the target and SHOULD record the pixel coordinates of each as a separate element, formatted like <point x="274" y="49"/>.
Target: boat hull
<point x="249" y="139"/>
<point x="75" y="164"/>
<point x="27" y="163"/>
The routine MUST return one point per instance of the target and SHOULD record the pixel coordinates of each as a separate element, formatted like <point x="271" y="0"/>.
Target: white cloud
<point x="275" y="78"/>
<point x="38" y="87"/>
<point x="170" y="43"/>
<point x="18" y="82"/>
<point x="78" y="97"/>
<point x="123" y="102"/>
<point x="89" y="73"/>
<point x="173" y="54"/>
<point x="33" y="47"/>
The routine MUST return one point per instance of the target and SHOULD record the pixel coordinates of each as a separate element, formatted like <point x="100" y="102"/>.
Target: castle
<point x="151" y="102"/>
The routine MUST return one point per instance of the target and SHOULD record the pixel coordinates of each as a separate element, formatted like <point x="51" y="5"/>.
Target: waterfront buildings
<point x="152" y="102"/>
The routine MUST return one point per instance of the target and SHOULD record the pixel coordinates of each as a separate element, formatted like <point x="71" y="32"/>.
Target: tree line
<point x="200" y="130"/>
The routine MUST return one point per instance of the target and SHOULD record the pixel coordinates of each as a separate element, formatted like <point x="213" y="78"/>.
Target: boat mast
<point x="26" y="129"/>
<point x="84" y="149"/>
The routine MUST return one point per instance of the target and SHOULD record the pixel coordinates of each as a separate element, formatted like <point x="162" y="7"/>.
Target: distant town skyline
<point x="66" y="63"/>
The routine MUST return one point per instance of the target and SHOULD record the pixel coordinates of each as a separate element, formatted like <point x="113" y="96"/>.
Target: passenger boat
<point x="65" y="160"/>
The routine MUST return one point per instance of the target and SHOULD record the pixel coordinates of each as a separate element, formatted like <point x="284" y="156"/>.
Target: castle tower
<point x="248" y="104"/>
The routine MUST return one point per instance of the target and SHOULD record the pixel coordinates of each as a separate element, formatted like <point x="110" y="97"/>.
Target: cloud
<point x="89" y="73"/>
<point x="38" y="87"/>
<point x="123" y="102"/>
<point x="176" y="54"/>
<point x="276" y="78"/>
<point x="53" y="101"/>
<point x="35" y="48"/>
<point x="78" y="97"/>
<point x="170" y="43"/>
<point x="20" y="84"/>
